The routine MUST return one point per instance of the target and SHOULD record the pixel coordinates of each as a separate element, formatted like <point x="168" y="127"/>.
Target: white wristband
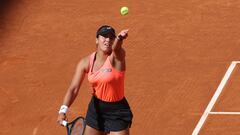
<point x="63" y="109"/>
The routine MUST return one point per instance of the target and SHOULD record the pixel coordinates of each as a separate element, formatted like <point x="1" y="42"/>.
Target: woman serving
<point x="108" y="111"/>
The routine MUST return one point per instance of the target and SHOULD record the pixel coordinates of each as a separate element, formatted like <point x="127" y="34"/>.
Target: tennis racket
<point x="76" y="127"/>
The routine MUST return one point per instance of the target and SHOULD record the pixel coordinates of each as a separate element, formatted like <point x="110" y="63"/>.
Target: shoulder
<point x="84" y="63"/>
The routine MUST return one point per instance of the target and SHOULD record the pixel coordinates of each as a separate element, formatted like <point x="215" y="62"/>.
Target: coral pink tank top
<point x="107" y="82"/>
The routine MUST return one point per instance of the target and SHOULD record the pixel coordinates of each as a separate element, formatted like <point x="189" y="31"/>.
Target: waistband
<point x="103" y="105"/>
<point x="105" y="102"/>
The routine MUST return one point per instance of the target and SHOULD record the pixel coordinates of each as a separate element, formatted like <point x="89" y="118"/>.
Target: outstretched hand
<point x="123" y="34"/>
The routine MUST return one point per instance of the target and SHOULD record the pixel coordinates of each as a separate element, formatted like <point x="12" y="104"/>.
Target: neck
<point x="101" y="55"/>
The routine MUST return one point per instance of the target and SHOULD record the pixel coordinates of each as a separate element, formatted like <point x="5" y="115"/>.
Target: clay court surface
<point x="177" y="54"/>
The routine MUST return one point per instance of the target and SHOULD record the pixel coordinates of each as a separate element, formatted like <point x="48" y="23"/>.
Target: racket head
<point x="77" y="126"/>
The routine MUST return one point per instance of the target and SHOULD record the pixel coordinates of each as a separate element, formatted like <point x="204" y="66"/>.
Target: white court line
<point x="214" y="98"/>
<point x="230" y="113"/>
<point x="236" y="62"/>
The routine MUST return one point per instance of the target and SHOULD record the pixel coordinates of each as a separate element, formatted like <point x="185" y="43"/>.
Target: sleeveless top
<point x="107" y="82"/>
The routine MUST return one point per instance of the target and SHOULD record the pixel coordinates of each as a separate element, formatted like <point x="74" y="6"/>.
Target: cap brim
<point x="107" y="32"/>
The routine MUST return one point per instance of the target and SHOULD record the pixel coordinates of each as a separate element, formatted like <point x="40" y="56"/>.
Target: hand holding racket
<point x="76" y="127"/>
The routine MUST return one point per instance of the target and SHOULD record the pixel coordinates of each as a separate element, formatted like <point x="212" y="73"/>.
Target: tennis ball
<point x="124" y="10"/>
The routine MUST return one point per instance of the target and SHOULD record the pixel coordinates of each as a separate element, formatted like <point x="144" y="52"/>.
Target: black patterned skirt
<point x="109" y="116"/>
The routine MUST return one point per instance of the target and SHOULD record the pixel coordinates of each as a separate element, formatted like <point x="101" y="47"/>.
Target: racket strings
<point x="77" y="128"/>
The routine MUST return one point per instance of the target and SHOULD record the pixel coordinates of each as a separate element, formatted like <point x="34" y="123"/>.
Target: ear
<point x="96" y="40"/>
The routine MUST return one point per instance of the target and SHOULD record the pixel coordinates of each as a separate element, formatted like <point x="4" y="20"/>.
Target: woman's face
<point x="105" y="42"/>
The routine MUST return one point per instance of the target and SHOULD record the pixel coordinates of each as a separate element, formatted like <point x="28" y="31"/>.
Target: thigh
<point x="91" y="131"/>
<point x="122" y="132"/>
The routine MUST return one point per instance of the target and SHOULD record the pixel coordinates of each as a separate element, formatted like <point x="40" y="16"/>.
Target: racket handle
<point x="64" y="123"/>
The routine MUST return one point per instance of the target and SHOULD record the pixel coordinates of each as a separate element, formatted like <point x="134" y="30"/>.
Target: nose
<point x="107" y="39"/>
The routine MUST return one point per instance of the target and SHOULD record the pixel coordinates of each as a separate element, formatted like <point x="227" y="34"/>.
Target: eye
<point x="112" y="37"/>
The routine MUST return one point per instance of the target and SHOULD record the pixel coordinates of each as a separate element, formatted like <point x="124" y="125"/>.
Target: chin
<point x="108" y="51"/>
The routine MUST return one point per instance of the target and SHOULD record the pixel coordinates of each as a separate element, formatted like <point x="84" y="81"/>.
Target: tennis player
<point x="108" y="111"/>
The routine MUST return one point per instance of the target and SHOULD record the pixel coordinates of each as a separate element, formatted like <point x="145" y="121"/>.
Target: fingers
<point x="64" y="123"/>
<point x="61" y="118"/>
<point x="126" y="30"/>
<point x="59" y="122"/>
<point x="124" y="33"/>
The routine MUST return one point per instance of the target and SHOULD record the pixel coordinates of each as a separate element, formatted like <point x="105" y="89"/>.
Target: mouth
<point x="107" y="45"/>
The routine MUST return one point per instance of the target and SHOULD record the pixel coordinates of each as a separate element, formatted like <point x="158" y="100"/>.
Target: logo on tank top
<point x="106" y="70"/>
